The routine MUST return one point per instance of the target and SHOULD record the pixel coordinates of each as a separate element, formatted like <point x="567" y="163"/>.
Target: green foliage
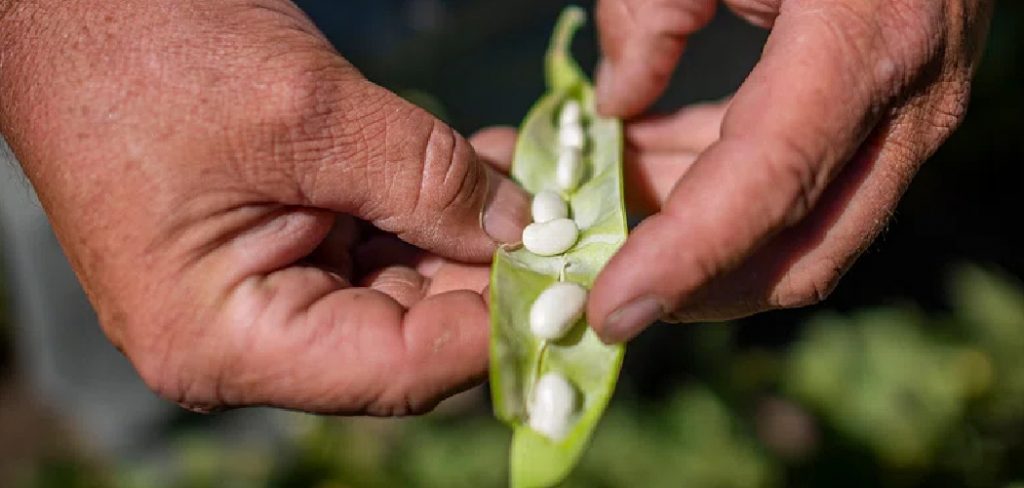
<point x="990" y="308"/>
<point x="889" y="396"/>
<point x="694" y="439"/>
<point x="881" y="379"/>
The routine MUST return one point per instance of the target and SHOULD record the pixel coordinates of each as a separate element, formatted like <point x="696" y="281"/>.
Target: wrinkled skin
<point x="254" y="222"/>
<point x="765" y="201"/>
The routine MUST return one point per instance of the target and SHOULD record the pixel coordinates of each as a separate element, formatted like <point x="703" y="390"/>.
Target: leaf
<point x="518" y="276"/>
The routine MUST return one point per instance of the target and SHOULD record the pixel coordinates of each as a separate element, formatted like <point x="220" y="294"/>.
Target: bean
<point x="552" y="406"/>
<point x="557" y="309"/>
<point x="548" y="206"/>
<point x="569" y="169"/>
<point x="550" y="238"/>
<point x="570" y="114"/>
<point x="571" y="136"/>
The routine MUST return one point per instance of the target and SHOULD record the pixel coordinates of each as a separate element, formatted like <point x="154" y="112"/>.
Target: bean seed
<point x="552" y="406"/>
<point x="571" y="136"/>
<point x="570" y="114"/>
<point x="557" y="309"/>
<point x="548" y="206"/>
<point x="569" y="169"/>
<point x="550" y="238"/>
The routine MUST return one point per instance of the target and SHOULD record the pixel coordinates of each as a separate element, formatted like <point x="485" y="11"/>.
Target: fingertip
<point x="642" y="42"/>
<point x="627" y="88"/>
<point x="605" y="91"/>
<point x="446" y="352"/>
<point x="635" y="288"/>
<point x="506" y="211"/>
<point x="496" y="146"/>
<point x="626" y="321"/>
<point x="621" y="94"/>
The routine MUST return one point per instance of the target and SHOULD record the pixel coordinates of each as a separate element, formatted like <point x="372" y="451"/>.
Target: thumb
<point x="641" y="41"/>
<point x="386" y="161"/>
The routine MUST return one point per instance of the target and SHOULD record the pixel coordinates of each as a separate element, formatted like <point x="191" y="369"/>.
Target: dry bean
<point x="552" y="406"/>
<point x="570" y="114"/>
<point x="550" y="238"/>
<point x="571" y="136"/>
<point x="569" y="169"/>
<point x="548" y="206"/>
<point x="557" y="309"/>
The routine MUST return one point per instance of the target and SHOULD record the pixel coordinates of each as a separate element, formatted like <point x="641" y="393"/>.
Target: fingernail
<point x="604" y="82"/>
<point x="628" y="320"/>
<point x="506" y="211"/>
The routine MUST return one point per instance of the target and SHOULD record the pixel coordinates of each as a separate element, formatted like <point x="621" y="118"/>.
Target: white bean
<point x="548" y="206"/>
<point x="570" y="114"/>
<point x="552" y="405"/>
<point x="569" y="169"/>
<point x="557" y="309"/>
<point x="571" y="136"/>
<point x="550" y="238"/>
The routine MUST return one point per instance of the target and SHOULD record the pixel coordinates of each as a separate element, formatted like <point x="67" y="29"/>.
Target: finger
<point x="408" y="274"/>
<point x="660" y="150"/>
<point x="297" y="339"/>
<point x="803" y="264"/>
<point x="800" y="266"/>
<point x="364" y="151"/>
<point x="787" y="133"/>
<point x="403" y="284"/>
<point x="691" y="129"/>
<point x="458" y="276"/>
<point x="650" y="177"/>
<point x="445" y="275"/>
<point x="496" y="146"/>
<point x="641" y="42"/>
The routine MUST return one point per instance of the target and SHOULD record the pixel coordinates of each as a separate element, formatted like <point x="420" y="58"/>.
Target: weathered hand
<point x="255" y="223"/>
<point x="814" y="150"/>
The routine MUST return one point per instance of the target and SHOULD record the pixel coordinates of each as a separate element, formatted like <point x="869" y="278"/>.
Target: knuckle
<point x="810" y="289"/>
<point x="910" y="37"/>
<point x="794" y="172"/>
<point x="302" y="92"/>
<point x="435" y="175"/>
<point x="949" y="109"/>
<point x="401" y="405"/>
<point x="310" y="117"/>
<point x="913" y="27"/>
<point x="449" y="161"/>
<point x="166" y="373"/>
<point x="169" y="352"/>
<point x="400" y="399"/>
<point x="932" y="116"/>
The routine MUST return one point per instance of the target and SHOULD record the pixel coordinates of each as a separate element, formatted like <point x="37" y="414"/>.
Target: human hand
<point x="812" y="155"/>
<point x="254" y="222"/>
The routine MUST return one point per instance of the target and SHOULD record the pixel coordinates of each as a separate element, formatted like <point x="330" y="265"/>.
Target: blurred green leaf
<point x="880" y="379"/>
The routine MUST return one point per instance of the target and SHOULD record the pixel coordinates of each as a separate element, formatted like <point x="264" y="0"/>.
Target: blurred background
<point x="910" y="375"/>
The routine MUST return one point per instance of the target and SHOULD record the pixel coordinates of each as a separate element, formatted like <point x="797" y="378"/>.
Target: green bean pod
<point x="518" y="358"/>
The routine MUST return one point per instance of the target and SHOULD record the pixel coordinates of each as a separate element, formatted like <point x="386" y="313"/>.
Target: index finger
<point x="641" y="41"/>
<point x="807" y="106"/>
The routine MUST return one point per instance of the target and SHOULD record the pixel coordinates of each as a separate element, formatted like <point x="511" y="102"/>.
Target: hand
<point x="813" y="152"/>
<point x="254" y="222"/>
